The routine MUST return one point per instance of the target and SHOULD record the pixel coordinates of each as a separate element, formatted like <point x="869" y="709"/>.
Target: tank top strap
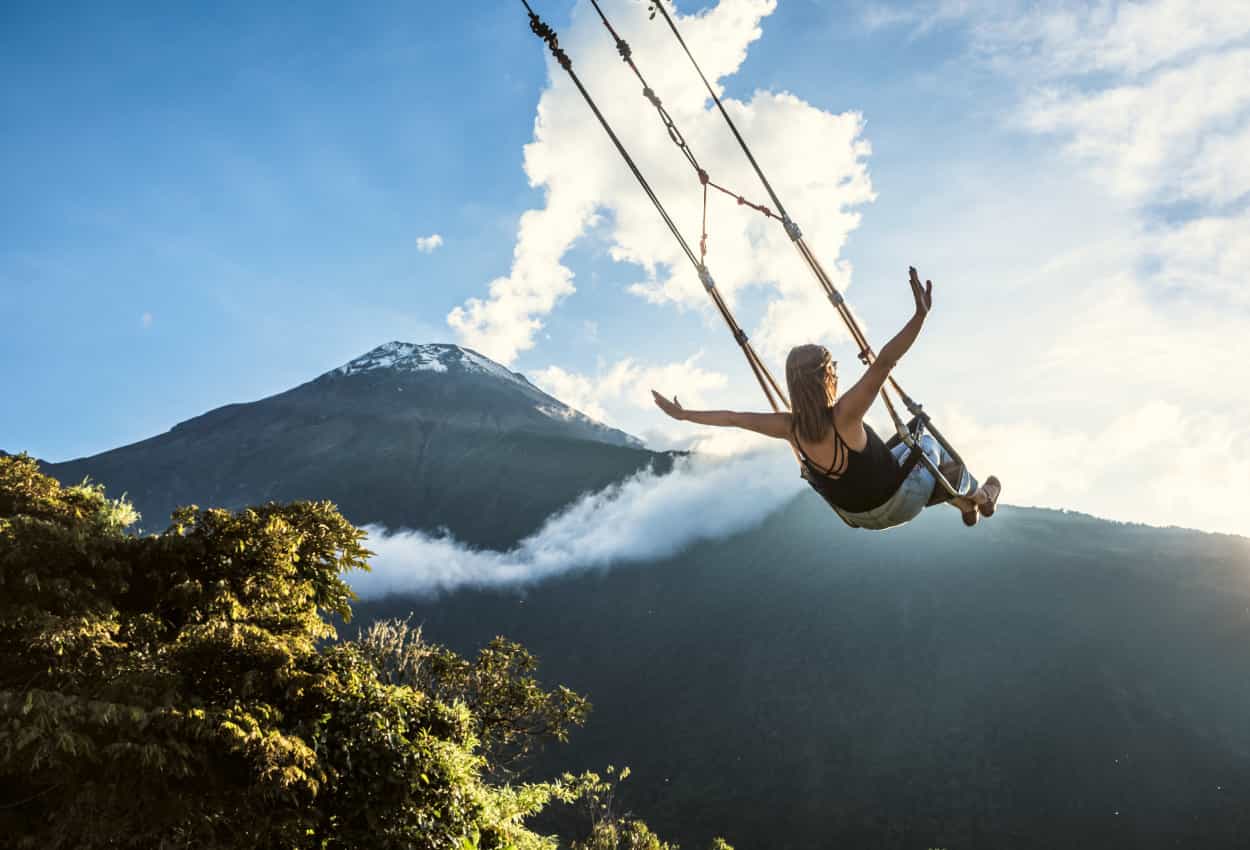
<point x="840" y="449"/>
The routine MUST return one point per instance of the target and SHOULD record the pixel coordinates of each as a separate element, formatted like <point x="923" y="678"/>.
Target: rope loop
<point x="674" y="133"/>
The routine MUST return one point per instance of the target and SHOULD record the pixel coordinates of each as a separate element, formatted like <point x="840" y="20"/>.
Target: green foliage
<point x="171" y="690"/>
<point x="182" y="690"/>
<point x="610" y="829"/>
<point x="512" y="713"/>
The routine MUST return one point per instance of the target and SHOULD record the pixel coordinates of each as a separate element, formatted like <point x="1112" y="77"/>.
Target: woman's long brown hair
<point x="813" y="381"/>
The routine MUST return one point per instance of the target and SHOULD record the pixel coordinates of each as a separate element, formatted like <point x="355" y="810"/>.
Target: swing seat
<point x="907" y="503"/>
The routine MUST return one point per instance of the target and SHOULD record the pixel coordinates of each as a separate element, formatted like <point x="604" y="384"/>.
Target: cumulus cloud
<point x="815" y="159"/>
<point x="645" y="518"/>
<point x="429" y="244"/>
<point x="626" y="385"/>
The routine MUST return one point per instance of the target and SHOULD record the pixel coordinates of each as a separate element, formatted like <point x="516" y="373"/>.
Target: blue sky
<point x="254" y="180"/>
<point x="209" y="206"/>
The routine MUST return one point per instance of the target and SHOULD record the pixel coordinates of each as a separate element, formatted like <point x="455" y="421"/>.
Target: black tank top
<point x="871" y="476"/>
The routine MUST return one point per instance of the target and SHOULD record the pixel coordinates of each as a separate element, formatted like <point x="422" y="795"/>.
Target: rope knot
<point x="547" y="34"/>
<point x="651" y="96"/>
<point x="622" y="47"/>
<point x="703" y="178"/>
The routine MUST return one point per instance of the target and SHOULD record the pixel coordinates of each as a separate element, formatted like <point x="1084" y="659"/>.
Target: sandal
<point x="993" y="488"/>
<point x="970" y="516"/>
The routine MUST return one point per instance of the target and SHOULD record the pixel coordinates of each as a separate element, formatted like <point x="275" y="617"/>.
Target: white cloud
<point x="1207" y="256"/>
<point x="626" y="386"/>
<point x="1170" y="123"/>
<point x="1156" y="463"/>
<point x="429" y="244"/>
<point x="1143" y="137"/>
<point x="816" y="160"/>
<point x="1121" y="36"/>
<point x="1071" y="37"/>
<point x="645" y="518"/>
<point x="919" y="18"/>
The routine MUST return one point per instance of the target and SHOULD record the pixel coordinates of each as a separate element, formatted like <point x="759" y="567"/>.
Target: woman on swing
<point x="868" y="484"/>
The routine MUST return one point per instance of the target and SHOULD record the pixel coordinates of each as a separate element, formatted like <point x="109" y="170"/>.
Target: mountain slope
<point x="1044" y="680"/>
<point x="415" y="436"/>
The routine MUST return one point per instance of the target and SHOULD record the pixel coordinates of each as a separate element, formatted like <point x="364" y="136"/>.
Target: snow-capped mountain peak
<point x="432" y="357"/>
<point x="506" y="398"/>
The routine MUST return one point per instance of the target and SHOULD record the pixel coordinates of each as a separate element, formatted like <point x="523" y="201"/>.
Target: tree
<point x="173" y="690"/>
<point x="512" y="713"/>
<point x="183" y="689"/>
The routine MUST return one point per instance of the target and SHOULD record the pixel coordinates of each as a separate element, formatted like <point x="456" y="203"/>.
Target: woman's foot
<point x="967" y="509"/>
<point x="991" y="490"/>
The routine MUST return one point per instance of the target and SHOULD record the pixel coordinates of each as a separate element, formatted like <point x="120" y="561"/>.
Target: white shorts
<point x="913" y="494"/>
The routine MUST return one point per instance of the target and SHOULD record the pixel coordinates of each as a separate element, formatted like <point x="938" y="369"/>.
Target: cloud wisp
<point x="645" y="518"/>
<point x="429" y="244"/>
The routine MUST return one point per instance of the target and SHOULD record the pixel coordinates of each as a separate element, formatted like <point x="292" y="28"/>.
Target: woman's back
<point x="852" y="479"/>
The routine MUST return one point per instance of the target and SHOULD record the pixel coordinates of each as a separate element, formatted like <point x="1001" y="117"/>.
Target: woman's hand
<point x="672" y="408"/>
<point x="922" y="294"/>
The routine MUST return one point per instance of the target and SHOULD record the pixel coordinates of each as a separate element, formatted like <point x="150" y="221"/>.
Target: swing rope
<point x="772" y="390"/>
<point x="767" y="382"/>
<point x="866" y="353"/>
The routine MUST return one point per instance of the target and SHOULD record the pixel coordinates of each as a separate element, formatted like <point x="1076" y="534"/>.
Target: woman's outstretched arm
<point x="769" y="424"/>
<point x="858" y="399"/>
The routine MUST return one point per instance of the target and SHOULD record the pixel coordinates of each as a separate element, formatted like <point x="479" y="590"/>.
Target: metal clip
<point x="705" y="277"/>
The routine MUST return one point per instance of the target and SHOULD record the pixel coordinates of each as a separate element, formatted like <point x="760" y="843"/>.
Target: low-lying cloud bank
<point x="646" y="517"/>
